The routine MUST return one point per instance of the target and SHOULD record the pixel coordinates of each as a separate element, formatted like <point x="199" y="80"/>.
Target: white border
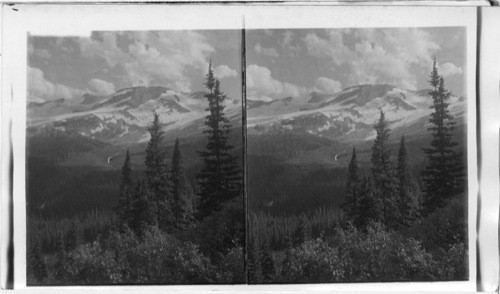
<point x="81" y="19"/>
<point x="490" y="123"/>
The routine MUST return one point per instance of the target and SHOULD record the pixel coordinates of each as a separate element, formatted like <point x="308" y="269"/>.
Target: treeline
<point x="54" y="191"/>
<point x="45" y="233"/>
<point x="56" y="145"/>
<point x="281" y="189"/>
<point x="394" y="228"/>
<point x="279" y="230"/>
<point x="166" y="233"/>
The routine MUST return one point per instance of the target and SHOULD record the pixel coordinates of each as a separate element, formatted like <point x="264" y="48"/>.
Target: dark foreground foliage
<point x="124" y="258"/>
<point x="377" y="254"/>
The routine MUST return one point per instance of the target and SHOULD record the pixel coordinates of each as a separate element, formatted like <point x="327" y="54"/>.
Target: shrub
<point x="381" y="255"/>
<point x="443" y="228"/>
<point x="90" y="264"/>
<point x="453" y="264"/>
<point x="157" y="258"/>
<point x="314" y="261"/>
<point x="231" y="269"/>
<point x="221" y="231"/>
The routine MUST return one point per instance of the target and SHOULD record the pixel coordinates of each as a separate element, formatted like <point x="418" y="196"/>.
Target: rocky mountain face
<point x="350" y="114"/>
<point x="124" y="116"/>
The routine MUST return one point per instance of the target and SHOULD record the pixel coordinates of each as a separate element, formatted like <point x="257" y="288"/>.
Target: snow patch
<point x="125" y="131"/>
<point x="326" y="127"/>
<point x="99" y="129"/>
<point x="145" y="138"/>
<point x="352" y="128"/>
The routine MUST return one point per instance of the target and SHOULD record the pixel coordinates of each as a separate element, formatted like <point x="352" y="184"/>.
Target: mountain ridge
<point x="124" y="116"/>
<point x="349" y="115"/>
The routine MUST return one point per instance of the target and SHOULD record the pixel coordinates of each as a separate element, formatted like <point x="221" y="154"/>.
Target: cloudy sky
<point x="105" y="62"/>
<point x="283" y="63"/>
<point x="280" y="63"/>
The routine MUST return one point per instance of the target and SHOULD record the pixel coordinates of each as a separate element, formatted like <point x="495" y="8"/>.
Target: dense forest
<point x="398" y="221"/>
<point x="160" y="229"/>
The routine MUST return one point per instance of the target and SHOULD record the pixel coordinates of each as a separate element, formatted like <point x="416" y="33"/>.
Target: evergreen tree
<point x="370" y="206"/>
<point x="352" y="188"/>
<point x="74" y="236"/>
<point x="383" y="173"/>
<point x="155" y="158"/>
<point x="157" y="176"/>
<point x="182" y="194"/>
<point x="302" y="232"/>
<point x="268" y="270"/>
<point x="443" y="177"/>
<point x="220" y="178"/>
<point x="144" y="209"/>
<point x="126" y="190"/>
<point x="408" y="192"/>
<point x="254" y="258"/>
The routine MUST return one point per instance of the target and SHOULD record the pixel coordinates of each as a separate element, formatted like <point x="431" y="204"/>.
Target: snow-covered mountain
<point x="350" y="114"/>
<point x="124" y="116"/>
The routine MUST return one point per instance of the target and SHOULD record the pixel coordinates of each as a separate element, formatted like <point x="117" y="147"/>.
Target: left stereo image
<point x="134" y="166"/>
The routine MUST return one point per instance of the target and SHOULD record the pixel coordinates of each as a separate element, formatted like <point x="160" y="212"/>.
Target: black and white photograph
<point x="234" y="147"/>
<point x="134" y="159"/>
<point x="357" y="155"/>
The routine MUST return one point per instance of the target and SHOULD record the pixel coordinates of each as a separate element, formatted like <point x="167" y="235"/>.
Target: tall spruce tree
<point x="220" y="178"/>
<point x="383" y="172"/>
<point x="408" y="192"/>
<point x="182" y="194"/>
<point x="157" y="175"/>
<point x="352" y="189"/>
<point x="144" y="210"/>
<point x="443" y="176"/>
<point x="126" y="191"/>
<point x="156" y="159"/>
<point x="370" y="205"/>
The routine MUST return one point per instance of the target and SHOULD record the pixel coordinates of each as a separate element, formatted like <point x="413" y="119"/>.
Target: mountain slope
<point x="350" y="114"/>
<point x="124" y="116"/>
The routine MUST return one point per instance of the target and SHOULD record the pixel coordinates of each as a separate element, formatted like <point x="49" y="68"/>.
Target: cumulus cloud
<point x="101" y="87"/>
<point x="224" y="71"/>
<point x="326" y="85"/>
<point x="289" y="45"/>
<point x="376" y="56"/>
<point x="42" y="53"/>
<point x="164" y="57"/>
<point x="449" y="69"/>
<point x="40" y="89"/>
<point x="262" y="86"/>
<point x="271" y="52"/>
